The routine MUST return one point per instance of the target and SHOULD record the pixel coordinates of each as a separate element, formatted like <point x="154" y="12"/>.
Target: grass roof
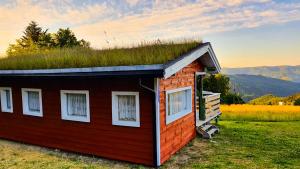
<point x="147" y="54"/>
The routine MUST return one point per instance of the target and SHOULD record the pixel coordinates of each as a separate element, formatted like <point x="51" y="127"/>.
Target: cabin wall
<point x="99" y="137"/>
<point x="178" y="133"/>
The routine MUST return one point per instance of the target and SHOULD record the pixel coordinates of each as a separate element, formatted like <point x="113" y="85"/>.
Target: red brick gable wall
<point x="178" y="133"/>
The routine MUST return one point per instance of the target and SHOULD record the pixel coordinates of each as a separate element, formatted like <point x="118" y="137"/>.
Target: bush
<point x="297" y="102"/>
<point x="232" y="98"/>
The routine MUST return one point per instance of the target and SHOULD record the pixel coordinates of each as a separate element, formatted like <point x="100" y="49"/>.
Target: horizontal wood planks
<point x="99" y="137"/>
<point x="212" y="104"/>
<point x="178" y="133"/>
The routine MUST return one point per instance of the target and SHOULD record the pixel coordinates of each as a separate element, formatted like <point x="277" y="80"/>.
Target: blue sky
<point x="243" y="32"/>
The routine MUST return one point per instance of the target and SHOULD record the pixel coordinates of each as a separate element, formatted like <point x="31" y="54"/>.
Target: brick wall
<point x="178" y="133"/>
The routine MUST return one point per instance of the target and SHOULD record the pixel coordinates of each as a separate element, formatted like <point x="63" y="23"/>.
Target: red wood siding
<point x="99" y="137"/>
<point x="178" y="133"/>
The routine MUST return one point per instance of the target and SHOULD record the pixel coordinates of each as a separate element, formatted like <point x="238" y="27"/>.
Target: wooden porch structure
<point x="207" y="109"/>
<point x="212" y="107"/>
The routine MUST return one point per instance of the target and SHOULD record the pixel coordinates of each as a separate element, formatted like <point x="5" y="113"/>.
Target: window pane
<point x="33" y="101"/>
<point x="76" y="104"/>
<point x="127" y="107"/>
<point x="178" y="101"/>
<point x="7" y="96"/>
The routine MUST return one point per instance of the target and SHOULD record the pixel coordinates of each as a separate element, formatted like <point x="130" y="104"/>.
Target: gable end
<point x="209" y="60"/>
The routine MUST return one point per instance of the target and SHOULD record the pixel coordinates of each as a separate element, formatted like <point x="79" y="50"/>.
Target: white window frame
<point x="63" y="103"/>
<point x="174" y="117"/>
<point x="26" y="110"/>
<point x="4" y="101"/>
<point x="115" y="118"/>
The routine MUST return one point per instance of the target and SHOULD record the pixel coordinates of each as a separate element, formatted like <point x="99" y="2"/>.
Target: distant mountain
<point x="274" y="100"/>
<point x="291" y="73"/>
<point x="253" y="86"/>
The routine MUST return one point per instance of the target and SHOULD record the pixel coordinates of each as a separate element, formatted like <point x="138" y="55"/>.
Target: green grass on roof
<point x="147" y="54"/>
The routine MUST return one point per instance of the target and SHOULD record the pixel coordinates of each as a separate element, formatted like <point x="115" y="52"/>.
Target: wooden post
<point x="201" y="99"/>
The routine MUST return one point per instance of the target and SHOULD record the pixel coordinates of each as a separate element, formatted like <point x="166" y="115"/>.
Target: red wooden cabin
<point x="141" y="114"/>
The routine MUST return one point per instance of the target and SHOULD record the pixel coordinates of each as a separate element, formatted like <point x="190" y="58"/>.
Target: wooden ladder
<point x="207" y="130"/>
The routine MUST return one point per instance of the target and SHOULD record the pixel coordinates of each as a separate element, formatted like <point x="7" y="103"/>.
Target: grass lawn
<point x="239" y="145"/>
<point x="244" y="145"/>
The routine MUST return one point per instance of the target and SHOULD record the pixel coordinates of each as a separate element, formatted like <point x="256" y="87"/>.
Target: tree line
<point x="36" y="38"/>
<point x="220" y="83"/>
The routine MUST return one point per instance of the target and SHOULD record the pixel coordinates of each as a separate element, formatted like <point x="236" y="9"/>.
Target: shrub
<point x="232" y="98"/>
<point x="297" y="102"/>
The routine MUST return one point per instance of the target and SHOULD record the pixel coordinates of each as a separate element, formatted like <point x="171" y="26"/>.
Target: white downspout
<point x="157" y="100"/>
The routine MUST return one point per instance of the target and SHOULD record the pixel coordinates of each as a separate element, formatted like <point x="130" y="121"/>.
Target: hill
<point x="274" y="100"/>
<point x="291" y="73"/>
<point x="253" y="86"/>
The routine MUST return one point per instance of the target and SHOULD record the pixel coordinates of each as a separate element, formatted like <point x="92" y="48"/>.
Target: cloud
<point x="105" y="25"/>
<point x="187" y="21"/>
<point x="132" y="2"/>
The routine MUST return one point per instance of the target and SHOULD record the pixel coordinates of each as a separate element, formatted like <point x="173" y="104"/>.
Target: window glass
<point x="33" y="101"/>
<point x="76" y="104"/>
<point x="126" y="107"/>
<point x="8" y="99"/>
<point x="178" y="103"/>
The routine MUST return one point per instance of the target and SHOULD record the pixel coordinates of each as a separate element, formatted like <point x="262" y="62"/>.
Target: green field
<point x="240" y="144"/>
<point x="244" y="145"/>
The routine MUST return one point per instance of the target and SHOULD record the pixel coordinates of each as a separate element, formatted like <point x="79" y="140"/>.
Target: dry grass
<point x="260" y="112"/>
<point x="21" y="156"/>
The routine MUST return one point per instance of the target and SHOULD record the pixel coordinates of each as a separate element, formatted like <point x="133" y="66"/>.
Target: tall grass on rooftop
<point x="144" y="54"/>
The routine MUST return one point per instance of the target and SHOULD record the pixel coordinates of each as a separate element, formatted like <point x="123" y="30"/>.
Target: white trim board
<point x="115" y="118"/>
<point x="85" y="70"/>
<point x="63" y="103"/>
<point x="4" y="101"/>
<point x="188" y="59"/>
<point x="157" y="111"/>
<point x="178" y="115"/>
<point x="26" y="110"/>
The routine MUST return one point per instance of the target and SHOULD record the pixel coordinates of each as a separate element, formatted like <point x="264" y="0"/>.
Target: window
<point x="6" y="99"/>
<point x="32" y="102"/>
<point x="125" y="109"/>
<point x="75" y="105"/>
<point x="178" y="103"/>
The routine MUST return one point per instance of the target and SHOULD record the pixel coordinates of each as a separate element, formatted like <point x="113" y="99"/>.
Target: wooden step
<point x="212" y="131"/>
<point x="206" y="127"/>
<point x="207" y="131"/>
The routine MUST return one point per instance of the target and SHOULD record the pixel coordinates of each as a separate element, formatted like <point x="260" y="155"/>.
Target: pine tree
<point x="66" y="38"/>
<point x="32" y="33"/>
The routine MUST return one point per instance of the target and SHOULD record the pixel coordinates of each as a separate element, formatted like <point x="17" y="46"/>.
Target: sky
<point x="244" y="33"/>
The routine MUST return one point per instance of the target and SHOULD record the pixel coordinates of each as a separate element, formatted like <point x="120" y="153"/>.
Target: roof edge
<point x="82" y="71"/>
<point x="177" y="64"/>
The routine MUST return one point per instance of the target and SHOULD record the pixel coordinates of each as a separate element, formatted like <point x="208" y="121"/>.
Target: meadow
<point x="271" y="113"/>
<point x="247" y="139"/>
